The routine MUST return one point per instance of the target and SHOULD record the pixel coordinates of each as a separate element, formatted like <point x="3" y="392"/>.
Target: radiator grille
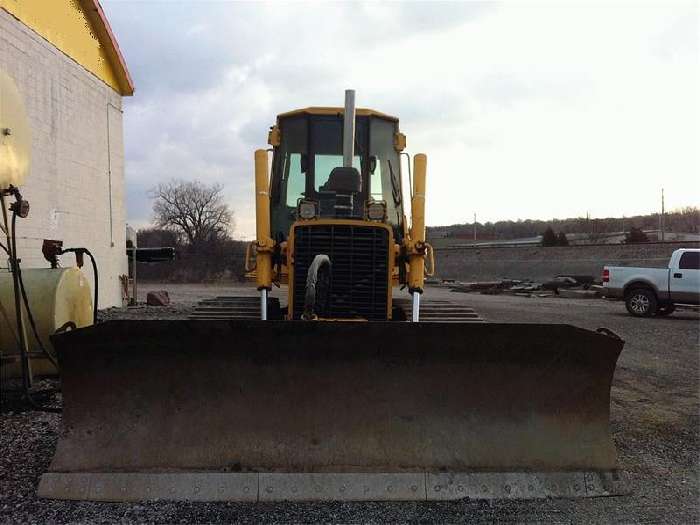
<point x="359" y="268"/>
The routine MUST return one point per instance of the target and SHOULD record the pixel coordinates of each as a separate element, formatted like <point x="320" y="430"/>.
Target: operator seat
<point x="342" y="186"/>
<point x="344" y="180"/>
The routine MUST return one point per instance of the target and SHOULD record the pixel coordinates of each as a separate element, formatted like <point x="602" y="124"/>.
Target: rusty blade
<point x="253" y="396"/>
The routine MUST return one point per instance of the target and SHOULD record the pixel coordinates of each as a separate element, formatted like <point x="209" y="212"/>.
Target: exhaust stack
<point x="349" y="128"/>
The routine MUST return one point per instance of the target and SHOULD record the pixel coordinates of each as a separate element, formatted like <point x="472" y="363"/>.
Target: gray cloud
<point x="484" y="88"/>
<point x="210" y="77"/>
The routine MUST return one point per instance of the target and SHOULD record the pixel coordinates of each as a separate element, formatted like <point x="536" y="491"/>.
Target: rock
<point x="560" y="282"/>
<point x="158" y="298"/>
<point x="580" y="279"/>
<point x="578" y="294"/>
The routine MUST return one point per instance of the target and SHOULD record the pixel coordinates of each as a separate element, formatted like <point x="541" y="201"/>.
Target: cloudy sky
<point x="526" y="110"/>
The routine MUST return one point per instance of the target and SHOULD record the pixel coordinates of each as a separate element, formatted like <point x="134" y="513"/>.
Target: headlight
<point x="307" y="210"/>
<point x="376" y="211"/>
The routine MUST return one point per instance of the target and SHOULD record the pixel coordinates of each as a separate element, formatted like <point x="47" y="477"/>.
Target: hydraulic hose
<point x="78" y="252"/>
<point x="97" y="287"/>
<point x="317" y="288"/>
<point x="32" y="323"/>
<point x="12" y="242"/>
<point x="25" y="299"/>
<point x="20" y="292"/>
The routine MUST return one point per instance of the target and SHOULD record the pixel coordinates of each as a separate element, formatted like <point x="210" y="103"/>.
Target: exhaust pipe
<point x="349" y="128"/>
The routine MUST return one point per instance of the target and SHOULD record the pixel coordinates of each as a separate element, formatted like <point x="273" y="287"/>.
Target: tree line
<point x="193" y="218"/>
<point x="685" y="220"/>
<point x="549" y="238"/>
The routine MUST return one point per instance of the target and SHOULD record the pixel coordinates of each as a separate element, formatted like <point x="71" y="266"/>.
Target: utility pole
<point x="662" y="217"/>
<point x="475" y="226"/>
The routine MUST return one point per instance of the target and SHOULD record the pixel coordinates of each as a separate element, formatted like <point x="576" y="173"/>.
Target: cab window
<point x="376" y="184"/>
<point x="324" y="164"/>
<point x="385" y="182"/>
<point x="690" y="261"/>
<point x="295" y="180"/>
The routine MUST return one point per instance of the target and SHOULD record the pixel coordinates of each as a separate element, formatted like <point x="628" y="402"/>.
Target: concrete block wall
<point x="541" y="264"/>
<point x="76" y="182"/>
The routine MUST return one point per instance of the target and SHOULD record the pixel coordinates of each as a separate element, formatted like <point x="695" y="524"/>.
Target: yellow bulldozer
<point x="344" y="390"/>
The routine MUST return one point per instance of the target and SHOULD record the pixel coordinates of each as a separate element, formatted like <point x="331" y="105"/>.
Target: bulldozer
<point x="344" y="389"/>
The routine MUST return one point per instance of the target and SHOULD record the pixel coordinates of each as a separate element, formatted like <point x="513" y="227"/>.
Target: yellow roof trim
<point x="78" y="28"/>
<point x="360" y="112"/>
<point x="109" y="41"/>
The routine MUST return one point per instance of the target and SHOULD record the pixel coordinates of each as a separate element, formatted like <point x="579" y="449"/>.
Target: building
<point x="67" y="66"/>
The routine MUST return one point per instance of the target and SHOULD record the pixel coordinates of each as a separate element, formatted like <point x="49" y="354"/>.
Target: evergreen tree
<point x="549" y="238"/>
<point x="636" y="235"/>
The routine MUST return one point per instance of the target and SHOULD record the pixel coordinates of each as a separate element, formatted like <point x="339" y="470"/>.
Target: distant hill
<point x="686" y="220"/>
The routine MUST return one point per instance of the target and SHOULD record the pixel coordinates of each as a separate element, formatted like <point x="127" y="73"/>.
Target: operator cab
<point x="308" y="176"/>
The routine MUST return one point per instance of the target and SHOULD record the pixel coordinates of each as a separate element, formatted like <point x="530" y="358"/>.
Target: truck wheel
<point x="641" y="302"/>
<point x="666" y="309"/>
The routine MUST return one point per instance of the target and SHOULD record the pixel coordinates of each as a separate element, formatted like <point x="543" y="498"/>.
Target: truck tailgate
<point x="619" y="277"/>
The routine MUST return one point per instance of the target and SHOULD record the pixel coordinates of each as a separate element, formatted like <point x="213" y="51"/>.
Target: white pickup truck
<point x="656" y="291"/>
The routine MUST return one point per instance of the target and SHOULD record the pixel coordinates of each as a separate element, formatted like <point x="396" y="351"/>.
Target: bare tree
<point x="192" y="209"/>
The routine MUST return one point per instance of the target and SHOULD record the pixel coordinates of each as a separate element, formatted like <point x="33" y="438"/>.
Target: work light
<point x="307" y="209"/>
<point x="376" y="210"/>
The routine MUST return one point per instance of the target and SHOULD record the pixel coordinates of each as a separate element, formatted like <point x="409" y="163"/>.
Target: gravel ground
<point x="655" y="423"/>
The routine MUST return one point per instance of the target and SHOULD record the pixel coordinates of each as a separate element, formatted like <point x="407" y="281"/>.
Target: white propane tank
<point x="56" y="297"/>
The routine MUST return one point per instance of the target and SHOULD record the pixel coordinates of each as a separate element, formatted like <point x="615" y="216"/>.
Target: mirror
<point x="372" y="163"/>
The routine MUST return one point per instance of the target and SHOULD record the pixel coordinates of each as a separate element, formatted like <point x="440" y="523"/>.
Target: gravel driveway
<point x="655" y="423"/>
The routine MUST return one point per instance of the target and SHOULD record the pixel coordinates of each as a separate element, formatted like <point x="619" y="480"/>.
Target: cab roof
<point x="360" y="112"/>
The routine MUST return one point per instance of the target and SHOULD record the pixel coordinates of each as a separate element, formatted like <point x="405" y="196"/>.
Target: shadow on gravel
<point x="672" y="317"/>
<point x="46" y="393"/>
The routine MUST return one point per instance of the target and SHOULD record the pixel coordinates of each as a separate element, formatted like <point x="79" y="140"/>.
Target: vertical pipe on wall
<point x="109" y="181"/>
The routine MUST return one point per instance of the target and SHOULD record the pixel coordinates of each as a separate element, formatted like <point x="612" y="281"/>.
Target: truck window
<point x="690" y="261"/>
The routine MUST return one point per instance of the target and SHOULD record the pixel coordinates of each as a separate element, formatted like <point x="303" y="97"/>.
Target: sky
<point x="525" y="110"/>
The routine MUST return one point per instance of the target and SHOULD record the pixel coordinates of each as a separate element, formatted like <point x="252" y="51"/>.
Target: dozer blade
<point x="254" y="410"/>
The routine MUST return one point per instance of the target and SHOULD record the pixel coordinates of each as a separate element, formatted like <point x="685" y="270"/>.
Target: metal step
<point x="248" y="308"/>
<point x="439" y="311"/>
<point x="227" y="309"/>
<point x="232" y="308"/>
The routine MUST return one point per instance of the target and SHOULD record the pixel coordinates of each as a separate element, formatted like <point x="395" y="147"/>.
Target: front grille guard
<point x="360" y="259"/>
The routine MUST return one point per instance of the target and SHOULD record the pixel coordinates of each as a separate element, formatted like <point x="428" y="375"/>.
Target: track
<point x="234" y="308"/>
<point x="248" y="308"/>
<point x="440" y="311"/>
